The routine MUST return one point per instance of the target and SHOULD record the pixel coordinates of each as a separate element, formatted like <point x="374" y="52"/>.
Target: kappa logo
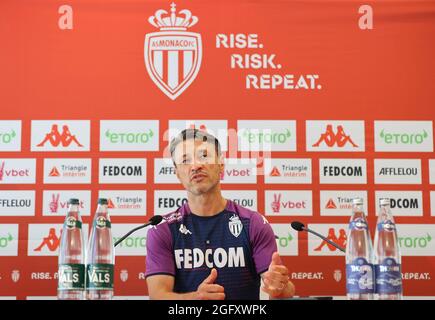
<point x="173" y="55"/>
<point x="52" y="241"/>
<point x="340" y="240"/>
<point x="235" y="225"/>
<point x="183" y="229"/>
<point x="338" y="139"/>
<point x="56" y="138"/>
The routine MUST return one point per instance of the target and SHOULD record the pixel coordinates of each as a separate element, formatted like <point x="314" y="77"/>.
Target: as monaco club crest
<point x="173" y="55"/>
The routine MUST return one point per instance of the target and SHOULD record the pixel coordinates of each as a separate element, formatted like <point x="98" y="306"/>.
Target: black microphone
<point x="155" y="220"/>
<point x="299" y="226"/>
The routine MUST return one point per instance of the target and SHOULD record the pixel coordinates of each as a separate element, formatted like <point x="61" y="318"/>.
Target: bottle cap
<point x="357" y="201"/>
<point x="73" y="201"/>
<point x="384" y="201"/>
<point x="102" y="201"/>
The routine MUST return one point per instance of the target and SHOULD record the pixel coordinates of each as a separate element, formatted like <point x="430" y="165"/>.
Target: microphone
<point x="155" y="220"/>
<point x="299" y="226"/>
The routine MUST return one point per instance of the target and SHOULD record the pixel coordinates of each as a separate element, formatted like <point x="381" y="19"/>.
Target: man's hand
<point x="207" y="290"/>
<point x="276" y="279"/>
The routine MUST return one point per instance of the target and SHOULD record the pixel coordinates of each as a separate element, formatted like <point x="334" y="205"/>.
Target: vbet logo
<point x="402" y="203"/>
<point x="342" y="171"/>
<point x="238" y="170"/>
<point x="10" y="135"/>
<point x="123" y="170"/>
<point x="217" y="128"/>
<point x="287" y="241"/>
<point x="17" y="171"/>
<point x="335" y="136"/>
<point x="339" y="202"/>
<point x="129" y="135"/>
<point x="67" y="171"/>
<point x="164" y="171"/>
<point x="44" y="239"/>
<point x="266" y="135"/>
<point x="133" y="245"/>
<point x="289" y="203"/>
<point x="334" y="232"/>
<point x="397" y="171"/>
<point x="244" y="198"/>
<point x="403" y="136"/>
<point x="166" y="201"/>
<point x="416" y="239"/>
<point x="125" y="202"/>
<point x="287" y="171"/>
<point x="60" y="135"/>
<point x="17" y="203"/>
<point x="8" y="240"/>
<point x="55" y="202"/>
<point x="173" y="55"/>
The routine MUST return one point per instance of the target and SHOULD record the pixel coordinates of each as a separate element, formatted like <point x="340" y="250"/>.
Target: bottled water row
<point x="373" y="271"/>
<point x="86" y="276"/>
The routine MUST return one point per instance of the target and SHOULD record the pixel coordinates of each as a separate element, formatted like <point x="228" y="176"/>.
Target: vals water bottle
<point x="71" y="272"/>
<point x="387" y="256"/>
<point x="100" y="256"/>
<point x="359" y="264"/>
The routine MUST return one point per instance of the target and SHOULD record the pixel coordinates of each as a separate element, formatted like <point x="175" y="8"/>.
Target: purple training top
<point x="238" y="242"/>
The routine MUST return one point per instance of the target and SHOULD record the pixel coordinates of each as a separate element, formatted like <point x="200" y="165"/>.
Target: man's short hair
<point x="197" y="135"/>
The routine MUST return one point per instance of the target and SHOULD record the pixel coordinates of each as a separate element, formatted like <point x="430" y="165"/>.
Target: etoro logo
<point x="129" y="135"/>
<point x="172" y="55"/>
<point x="133" y="245"/>
<point x="335" y="136"/>
<point x="286" y="239"/>
<point x="10" y="135"/>
<point x="8" y="239"/>
<point x="416" y="239"/>
<point x="403" y="136"/>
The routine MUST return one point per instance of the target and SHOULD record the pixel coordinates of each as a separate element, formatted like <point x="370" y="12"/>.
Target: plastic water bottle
<point x="387" y="256"/>
<point x="71" y="272"/>
<point x="100" y="256"/>
<point x="359" y="258"/>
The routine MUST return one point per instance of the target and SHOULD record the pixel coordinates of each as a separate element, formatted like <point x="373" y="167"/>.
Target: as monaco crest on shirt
<point x="173" y="55"/>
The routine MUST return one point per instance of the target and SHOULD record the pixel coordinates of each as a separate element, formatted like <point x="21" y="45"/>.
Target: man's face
<point x="197" y="166"/>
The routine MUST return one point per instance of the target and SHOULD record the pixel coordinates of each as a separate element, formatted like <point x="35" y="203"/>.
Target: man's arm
<point x="276" y="280"/>
<point x="160" y="287"/>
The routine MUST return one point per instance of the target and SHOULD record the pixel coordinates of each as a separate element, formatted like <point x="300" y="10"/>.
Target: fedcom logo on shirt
<point x="397" y="171"/>
<point x="403" y="136"/>
<point x="117" y="170"/>
<point x="343" y="171"/>
<point x="60" y="135"/>
<point x="17" y="203"/>
<point x="402" y="203"/>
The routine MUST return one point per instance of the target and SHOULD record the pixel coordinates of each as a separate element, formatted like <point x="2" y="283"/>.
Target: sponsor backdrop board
<point x="314" y="104"/>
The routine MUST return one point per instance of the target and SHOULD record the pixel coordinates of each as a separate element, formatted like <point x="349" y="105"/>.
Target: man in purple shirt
<point x="211" y="248"/>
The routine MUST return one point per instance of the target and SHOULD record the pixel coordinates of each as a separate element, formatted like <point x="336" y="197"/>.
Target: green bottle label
<point x="99" y="276"/>
<point x="71" y="276"/>
<point x="72" y="223"/>
<point x="102" y="222"/>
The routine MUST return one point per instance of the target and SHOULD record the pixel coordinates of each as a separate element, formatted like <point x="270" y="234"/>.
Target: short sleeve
<point x="160" y="257"/>
<point x="263" y="242"/>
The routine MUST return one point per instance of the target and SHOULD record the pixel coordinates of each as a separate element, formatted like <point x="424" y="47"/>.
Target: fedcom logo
<point x="129" y="135"/>
<point x="10" y="135"/>
<point x="165" y="51"/>
<point x="403" y="203"/>
<point x="343" y="171"/>
<point x="266" y="135"/>
<point x="122" y="171"/>
<point x="403" y="136"/>
<point x="416" y="239"/>
<point x="8" y="239"/>
<point x="166" y="201"/>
